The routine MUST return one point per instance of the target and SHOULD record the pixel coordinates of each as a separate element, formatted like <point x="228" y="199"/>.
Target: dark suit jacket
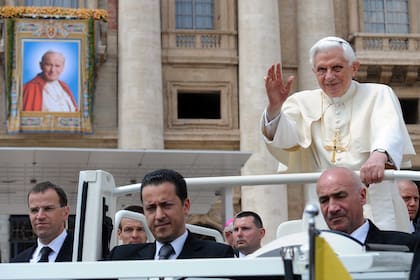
<point x="64" y="255"/>
<point x="377" y="236"/>
<point x="415" y="265"/>
<point x="193" y="248"/>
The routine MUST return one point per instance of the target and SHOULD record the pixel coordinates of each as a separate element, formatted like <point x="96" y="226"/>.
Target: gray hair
<point x="331" y="42"/>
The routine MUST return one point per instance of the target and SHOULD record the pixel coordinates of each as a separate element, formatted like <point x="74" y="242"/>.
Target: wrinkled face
<point x="410" y="195"/>
<point x="52" y="66"/>
<point x="246" y="235"/>
<point x="341" y="203"/>
<point x="46" y="215"/>
<point x="333" y="72"/>
<point x="131" y="232"/>
<point x="164" y="211"/>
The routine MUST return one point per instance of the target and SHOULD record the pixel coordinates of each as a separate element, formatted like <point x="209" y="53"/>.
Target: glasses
<point x="46" y="209"/>
<point x="322" y="71"/>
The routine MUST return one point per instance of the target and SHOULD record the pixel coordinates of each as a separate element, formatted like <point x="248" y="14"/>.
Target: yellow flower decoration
<point x="52" y="12"/>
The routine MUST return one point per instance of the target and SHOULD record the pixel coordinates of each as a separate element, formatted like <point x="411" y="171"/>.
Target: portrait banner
<point x="50" y="76"/>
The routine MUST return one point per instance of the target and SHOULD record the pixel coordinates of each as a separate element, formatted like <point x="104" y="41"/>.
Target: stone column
<point x="259" y="47"/>
<point x="353" y="17"/>
<point x="315" y="20"/>
<point x="140" y="116"/>
<point x="4" y="238"/>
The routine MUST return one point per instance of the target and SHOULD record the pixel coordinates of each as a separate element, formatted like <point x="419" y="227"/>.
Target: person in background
<point x="227" y="232"/>
<point x="341" y="196"/>
<point x="166" y="205"/>
<point x="248" y="231"/>
<point x="131" y="231"/>
<point x="410" y="194"/>
<point x="48" y="213"/>
<point x="46" y="92"/>
<point x="342" y="123"/>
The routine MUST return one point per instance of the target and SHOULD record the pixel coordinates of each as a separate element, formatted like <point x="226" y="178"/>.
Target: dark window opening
<point x="199" y="105"/>
<point x="410" y="110"/>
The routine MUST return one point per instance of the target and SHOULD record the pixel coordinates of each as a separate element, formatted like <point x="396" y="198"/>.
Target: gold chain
<point x="335" y="147"/>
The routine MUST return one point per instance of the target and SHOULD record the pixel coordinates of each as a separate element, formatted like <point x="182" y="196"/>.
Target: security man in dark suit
<point x="166" y="205"/>
<point x="341" y="196"/>
<point x="48" y="212"/>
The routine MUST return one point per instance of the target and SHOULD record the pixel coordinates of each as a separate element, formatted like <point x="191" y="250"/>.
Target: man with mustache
<point x="166" y="205"/>
<point x="341" y="196"/>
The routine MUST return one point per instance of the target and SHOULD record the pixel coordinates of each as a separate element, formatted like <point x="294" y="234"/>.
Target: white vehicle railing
<point x="369" y="265"/>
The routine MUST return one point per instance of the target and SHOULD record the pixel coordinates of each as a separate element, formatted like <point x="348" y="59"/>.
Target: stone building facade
<point x="154" y="74"/>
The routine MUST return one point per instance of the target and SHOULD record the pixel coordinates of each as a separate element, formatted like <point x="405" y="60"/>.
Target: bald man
<point x="410" y="194"/>
<point x="341" y="196"/>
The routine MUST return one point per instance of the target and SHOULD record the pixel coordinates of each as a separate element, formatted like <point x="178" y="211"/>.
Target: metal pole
<point x="254" y="180"/>
<point x="312" y="211"/>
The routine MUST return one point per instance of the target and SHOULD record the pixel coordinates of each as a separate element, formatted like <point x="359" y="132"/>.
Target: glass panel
<point x="194" y="14"/>
<point x="53" y="3"/>
<point x="386" y="16"/>
<point x="184" y="14"/>
<point x="204" y="14"/>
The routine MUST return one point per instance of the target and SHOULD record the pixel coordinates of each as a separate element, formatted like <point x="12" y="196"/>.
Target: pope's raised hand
<point x="277" y="90"/>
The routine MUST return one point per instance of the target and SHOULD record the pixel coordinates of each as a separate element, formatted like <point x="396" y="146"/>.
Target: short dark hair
<point x="47" y="185"/>
<point x="257" y="219"/>
<point x="166" y="175"/>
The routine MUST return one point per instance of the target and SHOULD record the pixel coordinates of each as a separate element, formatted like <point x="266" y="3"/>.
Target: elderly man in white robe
<point x="344" y="123"/>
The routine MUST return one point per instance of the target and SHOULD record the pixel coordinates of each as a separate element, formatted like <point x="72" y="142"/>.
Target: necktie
<point x="45" y="252"/>
<point x="165" y="251"/>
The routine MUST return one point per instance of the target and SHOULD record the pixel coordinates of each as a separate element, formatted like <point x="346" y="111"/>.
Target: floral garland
<point x="52" y="12"/>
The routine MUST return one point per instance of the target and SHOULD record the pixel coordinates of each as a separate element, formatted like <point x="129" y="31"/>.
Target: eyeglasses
<point x="336" y="69"/>
<point x="46" y="209"/>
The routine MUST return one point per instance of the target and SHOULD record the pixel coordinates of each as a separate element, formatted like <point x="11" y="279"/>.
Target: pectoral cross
<point x="335" y="147"/>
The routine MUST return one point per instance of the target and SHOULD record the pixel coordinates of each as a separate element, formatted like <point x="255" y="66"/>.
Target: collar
<point x="177" y="244"/>
<point x="55" y="245"/>
<point x="241" y="255"/>
<point x="361" y="232"/>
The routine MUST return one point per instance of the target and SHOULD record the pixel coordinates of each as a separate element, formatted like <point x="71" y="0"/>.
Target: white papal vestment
<point x="314" y="132"/>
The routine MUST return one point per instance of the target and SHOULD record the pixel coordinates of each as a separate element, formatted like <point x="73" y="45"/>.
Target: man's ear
<point x="355" y="67"/>
<point x="187" y="205"/>
<point x="363" y="195"/>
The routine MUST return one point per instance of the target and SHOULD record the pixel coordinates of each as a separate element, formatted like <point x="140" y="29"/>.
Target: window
<point x="53" y="3"/>
<point x="199" y="105"/>
<point x="386" y="16"/>
<point x="409" y="109"/>
<point x="194" y="14"/>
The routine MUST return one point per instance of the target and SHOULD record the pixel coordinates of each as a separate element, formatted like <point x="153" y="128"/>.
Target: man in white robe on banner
<point x="344" y="123"/>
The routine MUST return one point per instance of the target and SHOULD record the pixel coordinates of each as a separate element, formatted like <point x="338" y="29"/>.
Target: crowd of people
<point x="322" y="130"/>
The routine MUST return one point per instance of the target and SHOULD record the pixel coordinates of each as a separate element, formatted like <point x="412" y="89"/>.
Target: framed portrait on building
<point x="50" y="76"/>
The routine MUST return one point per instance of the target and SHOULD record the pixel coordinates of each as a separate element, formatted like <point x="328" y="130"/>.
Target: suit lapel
<point x="66" y="252"/>
<point x="147" y="252"/>
<point x="190" y="247"/>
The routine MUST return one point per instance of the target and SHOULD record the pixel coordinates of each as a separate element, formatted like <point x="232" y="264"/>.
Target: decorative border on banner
<point x="28" y="35"/>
